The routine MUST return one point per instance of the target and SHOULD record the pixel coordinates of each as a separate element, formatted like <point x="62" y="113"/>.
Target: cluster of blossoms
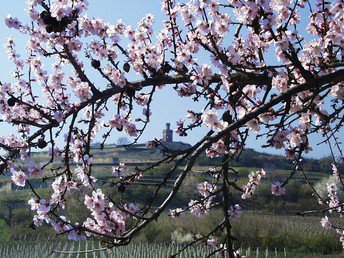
<point x="198" y="208"/>
<point x="76" y="148"/>
<point x="203" y="75"/>
<point x="175" y="213"/>
<point x="335" y="171"/>
<point x="216" y="149"/>
<point x="206" y="189"/>
<point x="326" y="223"/>
<point x="254" y="179"/>
<point x="60" y="9"/>
<point x="12" y="22"/>
<point x="220" y="248"/>
<point x="296" y="137"/>
<point x="81" y="89"/>
<point x="119" y="123"/>
<point x="214" y="243"/>
<point x="334" y="205"/>
<point x="118" y="171"/>
<point x="42" y="207"/>
<point x="117" y="77"/>
<point x="61" y="186"/>
<point x="19" y="177"/>
<point x="106" y="218"/>
<point x="210" y="119"/>
<point x="279" y="139"/>
<point x="234" y="211"/>
<point x="13" y="55"/>
<point x="64" y="226"/>
<point x="102" y="52"/>
<point x="186" y="89"/>
<point x="277" y="189"/>
<point x="82" y="173"/>
<point x="201" y="208"/>
<point x="142" y="52"/>
<point x="333" y="202"/>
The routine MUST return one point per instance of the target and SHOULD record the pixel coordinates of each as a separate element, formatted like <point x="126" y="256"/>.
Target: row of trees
<point x="270" y="68"/>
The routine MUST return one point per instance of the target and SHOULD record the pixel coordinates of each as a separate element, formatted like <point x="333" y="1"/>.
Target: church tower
<point x="167" y="134"/>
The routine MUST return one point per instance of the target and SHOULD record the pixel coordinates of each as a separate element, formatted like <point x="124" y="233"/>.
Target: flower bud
<point x="11" y="102"/>
<point x="95" y="63"/>
<point x="126" y="67"/>
<point x="41" y="143"/>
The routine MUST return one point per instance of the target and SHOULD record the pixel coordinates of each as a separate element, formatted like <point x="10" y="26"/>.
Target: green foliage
<point x="4" y="232"/>
<point x="154" y="233"/>
<point x="252" y="230"/>
<point x="290" y="232"/>
<point x="321" y="187"/>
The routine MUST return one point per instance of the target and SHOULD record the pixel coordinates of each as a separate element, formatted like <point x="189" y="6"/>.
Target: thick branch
<point x="324" y="80"/>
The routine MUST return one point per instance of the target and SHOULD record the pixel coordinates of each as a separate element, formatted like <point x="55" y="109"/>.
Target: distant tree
<point x="322" y="187"/>
<point x="325" y="164"/>
<point x="8" y="203"/>
<point x="269" y="68"/>
<point x="123" y="141"/>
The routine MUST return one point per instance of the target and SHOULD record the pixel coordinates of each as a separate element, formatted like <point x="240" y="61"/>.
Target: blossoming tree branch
<point x="271" y="68"/>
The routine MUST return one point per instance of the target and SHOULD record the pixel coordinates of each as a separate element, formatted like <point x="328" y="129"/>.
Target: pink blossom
<point x="58" y="116"/>
<point x="326" y="223"/>
<point x="205" y="188"/>
<point x="296" y="137"/>
<point x="254" y="181"/>
<point x="335" y="171"/>
<point x="277" y="189"/>
<point x="142" y="99"/>
<point x="131" y="208"/>
<point x="76" y="235"/>
<point x="338" y="91"/>
<point x="253" y="125"/>
<point x="34" y="203"/>
<point x="12" y="22"/>
<point x="176" y="213"/>
<point x="209" y="118"/>
<point x="333" y="201"/>
<point x="279" y="139"/>
<point x="19" y="178"/>
<point x="116" y="122"/>
<point x="35" y="170"/>
<point x="220" y="147"/>
<point x="131" y="129"/>
<point x="186" y="90"/>
<point x="197" y="208"/>
<point x="118" y="171"/>
<point x="234" y="212"/>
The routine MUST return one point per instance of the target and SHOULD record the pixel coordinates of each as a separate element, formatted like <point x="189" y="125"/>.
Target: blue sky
<point x="167" y="106"/>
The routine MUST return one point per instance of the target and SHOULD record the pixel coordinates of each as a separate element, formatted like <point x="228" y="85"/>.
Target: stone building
<point x="167" y="134"/>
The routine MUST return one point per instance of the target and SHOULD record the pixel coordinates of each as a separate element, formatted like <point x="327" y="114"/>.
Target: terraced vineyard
<point x="93" y="249"/>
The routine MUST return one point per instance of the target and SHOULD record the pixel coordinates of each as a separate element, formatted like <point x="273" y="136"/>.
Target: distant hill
<point x="249" y="157"/>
